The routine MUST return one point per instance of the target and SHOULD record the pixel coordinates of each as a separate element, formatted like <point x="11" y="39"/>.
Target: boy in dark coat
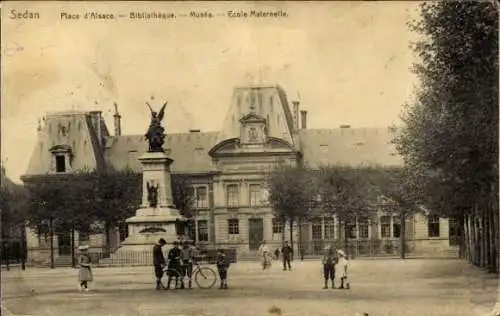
<point x="174" y="269"/>
<point x="159" y="261"/>
<point x="222" y="266"/>
<point x="329" y="261"/>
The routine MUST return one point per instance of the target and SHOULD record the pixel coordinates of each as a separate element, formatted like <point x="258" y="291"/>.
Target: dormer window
<point x="60" y="163"/>
<point x="61" y="158"/>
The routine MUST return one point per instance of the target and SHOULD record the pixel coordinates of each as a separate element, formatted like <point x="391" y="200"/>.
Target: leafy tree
<point x="399" y="194"/>
<point x="183" y="196"/>
<point x="292" y="194"/>
<point x="68" y="202"/>
<point x="450" y="137"/>
<point x="347" y="194"/>
<point x="116" y="197"/>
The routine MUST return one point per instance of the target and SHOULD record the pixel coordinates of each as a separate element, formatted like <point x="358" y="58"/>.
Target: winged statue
<point x="156" y="133"/>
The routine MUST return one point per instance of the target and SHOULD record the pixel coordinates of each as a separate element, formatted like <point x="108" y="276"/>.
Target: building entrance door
<point x="64" y="243"/>
<point x="255" y="232"/>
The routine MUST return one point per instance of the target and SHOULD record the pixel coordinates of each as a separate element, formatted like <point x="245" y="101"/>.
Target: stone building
<point x="228" y="168"/>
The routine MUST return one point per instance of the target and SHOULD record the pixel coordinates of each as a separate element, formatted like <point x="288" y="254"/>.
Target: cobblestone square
<point x="379" y="287"/>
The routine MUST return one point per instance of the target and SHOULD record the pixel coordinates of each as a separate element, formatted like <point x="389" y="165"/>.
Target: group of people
<point x="179" y="264"/>
<point x="331" y="259"/>
<point x="180" y="261"/>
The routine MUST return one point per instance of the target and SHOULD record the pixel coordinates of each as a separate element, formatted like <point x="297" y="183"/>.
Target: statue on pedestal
<point x="156" y="133"/>
<point x="152" y="194"/>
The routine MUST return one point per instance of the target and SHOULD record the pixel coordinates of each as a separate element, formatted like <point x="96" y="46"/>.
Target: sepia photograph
<point x="249" y="158"/>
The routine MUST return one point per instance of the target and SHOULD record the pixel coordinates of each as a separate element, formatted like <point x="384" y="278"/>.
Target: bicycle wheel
<point x="205" y="278"/>
<point x="176" y="278"/>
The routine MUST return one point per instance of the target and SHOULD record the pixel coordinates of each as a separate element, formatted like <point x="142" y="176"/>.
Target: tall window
<point x="363" y="225"/>
<point x="233" y="226"/>
<point x="271" y="103"/>
<point x="396" y="226"/>
<point x="350" y="227"/>
<point x="385" y="227"/>
<point x="233" y="196"/>
<point x="255" y="194"/>
<point x="329" y="228"/>
<point x="202" y="230"/>
<point x="201" y="197"/>
<point x="60" y="163"/>
<point x="278" y="225"/>
<point x="433" y="225"/>
<point x="317" y="234"/>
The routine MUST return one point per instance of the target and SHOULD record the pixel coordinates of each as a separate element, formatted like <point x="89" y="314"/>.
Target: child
<point x="264" y="255"/>
<point x="85" y="272"/>
<point x="222" y="266"/>
<point x="344" y="264"/>
<point x="329" y="260"/>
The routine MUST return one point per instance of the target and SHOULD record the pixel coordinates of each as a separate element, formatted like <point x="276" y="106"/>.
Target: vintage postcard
<point x="249" y="158"/>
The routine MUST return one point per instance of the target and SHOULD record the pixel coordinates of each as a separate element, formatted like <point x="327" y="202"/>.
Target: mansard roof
<point x="188" y="150"/>
<point x="348" y="146"/>
<point x="75" y="131"/>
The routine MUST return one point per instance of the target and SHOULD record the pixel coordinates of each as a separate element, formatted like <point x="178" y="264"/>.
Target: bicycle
<point x="204" y="277"/>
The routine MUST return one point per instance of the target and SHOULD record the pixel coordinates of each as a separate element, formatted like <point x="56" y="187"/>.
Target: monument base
<point x="149" y="225"/>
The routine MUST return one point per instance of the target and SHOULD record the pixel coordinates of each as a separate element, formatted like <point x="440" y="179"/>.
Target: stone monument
<point x="157" y="217"/>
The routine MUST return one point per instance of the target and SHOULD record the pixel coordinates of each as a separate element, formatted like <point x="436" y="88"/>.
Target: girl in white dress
<point x="343" y="265"/>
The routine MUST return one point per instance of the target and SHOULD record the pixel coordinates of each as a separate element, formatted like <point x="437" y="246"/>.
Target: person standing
<point x="174" y="265"/>
<point x="344" y="265"/>
<point x="329" y="261"/>
<point x="287" y="253"/>
<point x="85" y="274"/>
<point x="159" y="261"/>
<point x="222" y="267"/>
<point x="187" y="262"/>
<point x="264" y="255"/>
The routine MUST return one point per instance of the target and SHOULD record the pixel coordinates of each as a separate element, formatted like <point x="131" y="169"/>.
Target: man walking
<point x="159" y="261"/>
<point x="287" y="253"/>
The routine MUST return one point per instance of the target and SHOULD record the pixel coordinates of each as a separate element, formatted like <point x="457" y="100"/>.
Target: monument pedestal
<point x="152" y="222"/>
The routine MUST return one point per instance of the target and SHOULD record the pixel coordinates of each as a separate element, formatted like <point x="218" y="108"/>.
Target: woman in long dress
<point x="265" y="255"/>
<point x="85" y="274"/>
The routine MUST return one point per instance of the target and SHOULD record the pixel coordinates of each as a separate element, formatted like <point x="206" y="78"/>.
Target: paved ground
<point x="380" y="287"/>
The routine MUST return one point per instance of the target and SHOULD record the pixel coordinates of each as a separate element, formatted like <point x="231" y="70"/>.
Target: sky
<point x="347" y="62"/>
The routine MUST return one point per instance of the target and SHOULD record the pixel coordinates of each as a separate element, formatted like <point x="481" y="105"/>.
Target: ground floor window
<point x="233" y="226"/>
<point x="433" y="225"/>
<point x="329" y="228"/>
<point x="202" y="230"/>
<point x="278" y="225"/>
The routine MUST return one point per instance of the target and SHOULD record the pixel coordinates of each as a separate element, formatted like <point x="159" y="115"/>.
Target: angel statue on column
<point x="156" y="133"/>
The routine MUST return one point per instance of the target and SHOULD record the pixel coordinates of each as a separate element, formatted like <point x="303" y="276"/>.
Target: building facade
<point x="228" y="170"/>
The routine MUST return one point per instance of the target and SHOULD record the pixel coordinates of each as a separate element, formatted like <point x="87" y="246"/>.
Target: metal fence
<point x="121" y="258"/>
<point x="207" y="255"/>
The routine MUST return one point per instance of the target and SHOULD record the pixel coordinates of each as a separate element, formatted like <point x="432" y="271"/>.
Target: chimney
<point x="345" y="126"/>
<point x="96" y="121"/>
<point x="295" y="115"/>
<point x="194" y="131"/>
<point x="303" y="114"/>
<point x="118" y="118"/>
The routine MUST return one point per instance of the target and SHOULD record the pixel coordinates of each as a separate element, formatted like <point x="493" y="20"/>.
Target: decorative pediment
<point x="278" y="143"/>
<point x="226" y="145"/>
<point x="252" y="118"/>
<point x="60" y="149"/>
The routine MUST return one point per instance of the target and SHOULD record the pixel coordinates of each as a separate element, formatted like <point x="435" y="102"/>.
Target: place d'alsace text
<point x="87" y="16"/>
